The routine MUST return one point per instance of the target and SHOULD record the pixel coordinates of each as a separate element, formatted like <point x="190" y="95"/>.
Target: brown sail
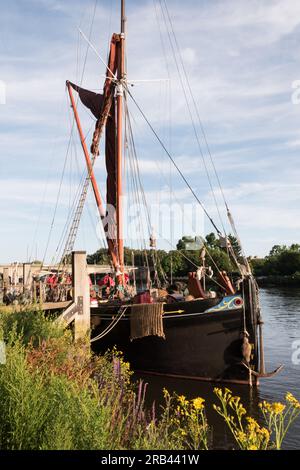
<point x="94" y="102"/>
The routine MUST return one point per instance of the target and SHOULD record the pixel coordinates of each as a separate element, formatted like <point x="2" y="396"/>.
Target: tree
<point x="258" y="266"/>
<point x="288" y="262"/>
<point x="174" y="260"/>
<point x="277" y="249"/>
<point x="212" y="241"/>
<point x="99" y="257"/>
<point x="181" y="245"/>
<point x="235" y="245"/>
<point x="282" y="260"/>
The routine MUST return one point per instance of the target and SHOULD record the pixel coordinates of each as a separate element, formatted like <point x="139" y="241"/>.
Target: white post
<point x="81" y="294"/>
<point x="27" y="276"/>
<point x="5" y="277"/>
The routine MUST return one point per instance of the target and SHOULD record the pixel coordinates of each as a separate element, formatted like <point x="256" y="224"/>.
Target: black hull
<point x="204" y="346"/>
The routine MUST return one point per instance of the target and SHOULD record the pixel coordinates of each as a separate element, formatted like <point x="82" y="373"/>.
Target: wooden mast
<point x="120" y="93"/>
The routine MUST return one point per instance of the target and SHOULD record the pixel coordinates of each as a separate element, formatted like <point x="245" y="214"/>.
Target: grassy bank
<point x="56" y="395"/>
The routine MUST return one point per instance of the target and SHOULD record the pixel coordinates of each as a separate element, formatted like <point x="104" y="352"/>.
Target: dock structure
<point x="76" y="310"/>
<point x="14" y="273"/>
<point x="81" y="294"/>
<point x="26" y="281"/>
<point x="27" y="276"/>
<point x="6" y="281"/>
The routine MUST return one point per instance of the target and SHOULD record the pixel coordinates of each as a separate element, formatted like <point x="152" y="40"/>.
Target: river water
<point x="281" y="314"/>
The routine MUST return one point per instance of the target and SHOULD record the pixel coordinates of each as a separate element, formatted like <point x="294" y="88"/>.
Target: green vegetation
<point x="248" y="434"/>
<point x="184" y="259"/>
<point x="56" y="395"/>
<point x="282" y="263"/>
<point x="281" y="266"/>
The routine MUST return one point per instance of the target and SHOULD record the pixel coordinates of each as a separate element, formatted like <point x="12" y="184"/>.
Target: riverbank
<point x="279" y="281"/>
<point x="56" y="395"/>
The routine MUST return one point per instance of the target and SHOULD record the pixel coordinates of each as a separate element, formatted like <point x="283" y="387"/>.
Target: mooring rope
<point x="110" y="327"/>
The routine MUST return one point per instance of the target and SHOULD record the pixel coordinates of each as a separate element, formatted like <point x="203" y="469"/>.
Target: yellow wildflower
<point x="182" y="399"/>
<point x="252" y="424"/>
<point x="241" y="436"/>
<point x="277" y="408"/>
<point x="198" y="403"/>
<point x="252" y="447"/>
<point x="265" y="406"/>
<point x="292" y="400"/>
<point x="265" y="433"/>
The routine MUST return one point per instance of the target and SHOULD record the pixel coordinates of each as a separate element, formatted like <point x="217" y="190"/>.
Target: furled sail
<point x="110" y="158"/>
<point x="102" y="106"/>
<point x="94" y="102"/>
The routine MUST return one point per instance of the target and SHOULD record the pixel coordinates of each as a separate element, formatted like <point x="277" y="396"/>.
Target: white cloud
<point x="241" y="58"/>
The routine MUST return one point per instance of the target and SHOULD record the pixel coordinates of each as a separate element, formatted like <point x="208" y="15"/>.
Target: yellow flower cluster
<point x="249" y="436"/>
<point x="252" y="437"/>
<point x="292" y="400"/>
<point x="182" y="400"/>
<point x="254" y="429"/>
<point x="276" y="408"/>
<point x="198" y="403"/>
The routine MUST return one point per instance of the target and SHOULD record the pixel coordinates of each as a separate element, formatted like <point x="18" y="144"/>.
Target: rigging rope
<point x="58" y="196"/>
<point x="114" y="322"/>
<point x="206" y="144"/>
<point x="196" y="107"/>
<point x="70" y="138"/>
<point x="204" y="243"/>
<point x="188" y="104"/>
<point x="174" y="163"/>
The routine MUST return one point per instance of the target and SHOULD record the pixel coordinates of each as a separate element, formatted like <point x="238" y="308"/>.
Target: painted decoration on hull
<point x="232" y="302"/>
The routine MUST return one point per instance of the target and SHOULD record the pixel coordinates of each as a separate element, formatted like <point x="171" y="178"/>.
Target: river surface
<point x="281" y="314"/>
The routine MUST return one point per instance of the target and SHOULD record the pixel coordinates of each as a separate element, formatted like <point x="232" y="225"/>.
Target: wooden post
<point x="41" y="294"/>
<point x="26" y="276"/>
<point x="5" y="278"/>
<point x="34" y="291"/>
<point x="81" y="294"/>
<point x="262" y="368"/>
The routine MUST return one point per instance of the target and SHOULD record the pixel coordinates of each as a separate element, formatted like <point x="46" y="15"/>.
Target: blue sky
<point x="242" y="59"/>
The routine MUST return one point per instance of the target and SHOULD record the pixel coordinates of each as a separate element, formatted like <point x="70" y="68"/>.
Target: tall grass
<point x="56" y="395"/>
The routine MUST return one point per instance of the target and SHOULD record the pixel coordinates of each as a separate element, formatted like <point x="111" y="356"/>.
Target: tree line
<point x="281" y="261"/>
<point x="186" y="257"/>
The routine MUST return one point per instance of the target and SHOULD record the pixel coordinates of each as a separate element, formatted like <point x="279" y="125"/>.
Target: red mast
<point x="120" y="93"/>
<point x="91" y="175"/>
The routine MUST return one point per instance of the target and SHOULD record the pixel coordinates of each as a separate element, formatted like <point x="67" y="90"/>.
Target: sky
<point x="242" y="62"/>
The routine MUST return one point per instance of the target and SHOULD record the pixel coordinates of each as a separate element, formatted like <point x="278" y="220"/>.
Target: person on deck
<point x="174" y="293"/>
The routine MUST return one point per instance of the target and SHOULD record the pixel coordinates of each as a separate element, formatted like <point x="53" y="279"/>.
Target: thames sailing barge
<point x="202" y="336"/>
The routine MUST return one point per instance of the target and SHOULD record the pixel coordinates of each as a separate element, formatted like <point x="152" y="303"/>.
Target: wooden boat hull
<point x="199" y="345"/>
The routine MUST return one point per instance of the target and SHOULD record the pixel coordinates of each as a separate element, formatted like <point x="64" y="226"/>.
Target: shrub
<point x="56" y="395"/>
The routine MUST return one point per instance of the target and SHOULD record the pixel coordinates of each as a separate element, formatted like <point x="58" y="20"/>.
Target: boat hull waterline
<point x="197" y="345"/>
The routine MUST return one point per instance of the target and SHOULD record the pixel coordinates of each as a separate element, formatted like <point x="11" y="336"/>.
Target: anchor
<point x="263" y="374"/>
<point x="246" y="354"/>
